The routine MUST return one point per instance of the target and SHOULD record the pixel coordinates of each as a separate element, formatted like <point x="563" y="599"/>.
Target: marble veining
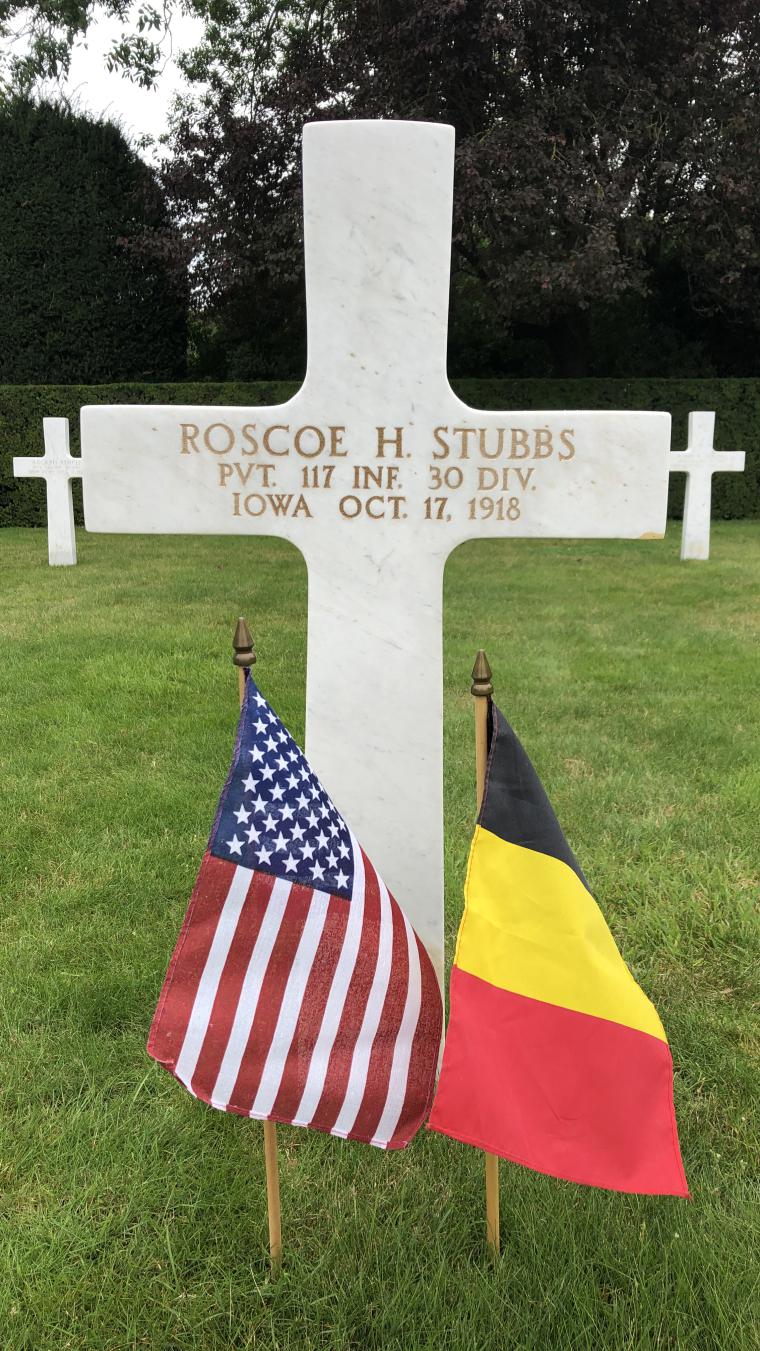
<point x="375" y="470"/>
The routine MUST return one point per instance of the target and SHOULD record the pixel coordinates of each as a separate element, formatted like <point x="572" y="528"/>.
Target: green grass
<point x="133" y="1216"/>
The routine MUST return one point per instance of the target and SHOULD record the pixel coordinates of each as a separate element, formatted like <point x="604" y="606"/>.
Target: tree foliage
<point x="607" y="170"/>
<point x="37" y="38"/>
<point x="88" y="293"/>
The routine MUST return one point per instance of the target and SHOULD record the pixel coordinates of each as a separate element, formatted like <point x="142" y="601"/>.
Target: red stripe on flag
<point x="561" y="1092"/>
<point x="178" y="992"/>
<point x="424" y="1054"/>
<point x="315" y="997"/>
<point x="270" y="999"/>
<point x="379" y="1069"/>
<point x="339" y="1064"/>
<point x="228" y="990"/>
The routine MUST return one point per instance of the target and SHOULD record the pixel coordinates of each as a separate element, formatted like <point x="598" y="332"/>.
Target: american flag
<point x="298" y="990"/>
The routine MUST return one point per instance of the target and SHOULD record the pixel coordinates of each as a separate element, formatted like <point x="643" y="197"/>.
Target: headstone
<point x="376" y="471"/>
<point x="699" y="461"/>
<point x="58" y="467"/>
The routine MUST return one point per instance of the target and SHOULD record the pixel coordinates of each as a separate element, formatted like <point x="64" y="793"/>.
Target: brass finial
<point x="481" y="677"/>
<point x="242" y="643"/>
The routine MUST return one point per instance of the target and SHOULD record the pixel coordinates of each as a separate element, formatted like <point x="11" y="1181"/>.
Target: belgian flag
<point x="554" y="1056"/>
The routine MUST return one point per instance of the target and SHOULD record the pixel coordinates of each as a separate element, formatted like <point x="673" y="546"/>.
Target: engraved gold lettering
<point x="254" y="504"/>
<point x="377" y="476"/>
<point x="491" y="454"/>
<point x="565" y="437"/>
<point x="336" y="436"/>
<point x="520" y="449"/>
<point x="269" y="448"/>
<point x="248" y="436"/>
<point x="243" y="473"/>
<point x="308" y="433"/>
<point x="375" y="515"/>
<point x="228" y="434"/>
<point x="438" y="437"/>
<point x="226" y="471"/>
<point x="189" y="434"/>
<point x="464" y="433"/>
<point x="350" y="506"/>
<point x="543" y="443"/>
<point x="367" y="477"/>
<point x="383" y="441"/>
<point x="488" y="478"/>
<point x="317" y="475"/>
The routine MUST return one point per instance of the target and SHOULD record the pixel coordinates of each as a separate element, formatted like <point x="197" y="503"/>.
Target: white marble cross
<point x="699" y="461"/>
<point x="376" y="471"/>
<point x="58" y="467"/>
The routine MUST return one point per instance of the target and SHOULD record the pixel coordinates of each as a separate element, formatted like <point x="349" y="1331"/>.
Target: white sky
<point x="139" y="112"/>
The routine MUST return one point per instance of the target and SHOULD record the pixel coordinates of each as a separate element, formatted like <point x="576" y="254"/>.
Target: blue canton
<point x="274" y="815"/>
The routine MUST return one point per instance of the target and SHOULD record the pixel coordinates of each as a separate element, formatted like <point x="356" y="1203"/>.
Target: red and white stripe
<point x="290" y="1004"/>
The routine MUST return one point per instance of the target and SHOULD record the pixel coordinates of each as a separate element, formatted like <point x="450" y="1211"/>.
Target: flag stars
<point x="289" y="823"/>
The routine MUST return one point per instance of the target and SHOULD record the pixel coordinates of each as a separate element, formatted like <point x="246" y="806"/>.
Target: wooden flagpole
<point x="244" y="657"/>
<point x="481" y="690"/>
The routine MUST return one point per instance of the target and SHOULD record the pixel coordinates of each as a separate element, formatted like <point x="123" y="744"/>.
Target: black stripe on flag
<point x="515" y="806"/>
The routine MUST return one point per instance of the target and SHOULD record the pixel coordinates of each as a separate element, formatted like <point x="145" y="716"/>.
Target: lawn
<point x="132" y="1215"/>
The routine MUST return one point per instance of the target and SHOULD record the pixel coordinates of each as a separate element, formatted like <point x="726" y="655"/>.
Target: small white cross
<point x="699" y="461"/>
<point x="58" y="467"/>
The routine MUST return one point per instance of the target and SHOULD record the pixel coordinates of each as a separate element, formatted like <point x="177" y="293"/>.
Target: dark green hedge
<point x="736" y="402"/>
<point x="84" y="297"/>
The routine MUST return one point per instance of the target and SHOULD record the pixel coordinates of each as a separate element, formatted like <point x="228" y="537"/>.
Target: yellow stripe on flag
<point x="530" y="926"/>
